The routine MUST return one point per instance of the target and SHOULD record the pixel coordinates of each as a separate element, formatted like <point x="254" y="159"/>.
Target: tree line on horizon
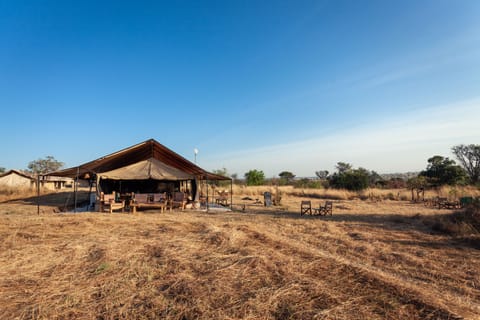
<point x="439" y="171"/>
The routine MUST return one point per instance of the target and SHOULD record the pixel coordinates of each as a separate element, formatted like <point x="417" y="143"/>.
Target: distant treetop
<point x="42" y="166"/>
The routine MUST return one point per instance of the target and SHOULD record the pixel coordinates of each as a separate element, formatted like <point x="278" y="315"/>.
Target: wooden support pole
<point x="38" y="194"/>
<point x="75" y="187"/>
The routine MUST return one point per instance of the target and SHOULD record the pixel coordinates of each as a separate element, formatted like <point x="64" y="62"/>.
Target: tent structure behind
<point x="145" y="167"/>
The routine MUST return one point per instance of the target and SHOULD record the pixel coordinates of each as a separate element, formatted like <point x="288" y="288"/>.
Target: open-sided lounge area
<point x="145" y="176"/>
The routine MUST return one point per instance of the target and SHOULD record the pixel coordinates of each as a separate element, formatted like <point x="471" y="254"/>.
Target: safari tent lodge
<point x="146" y="168"/>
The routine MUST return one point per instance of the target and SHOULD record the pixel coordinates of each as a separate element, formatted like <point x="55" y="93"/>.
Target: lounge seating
<point x="160" y="197"/>
<point x="179" y="200"/>
<point x="107" y="201"/>
<point x="148" y="200"/>
<point x="305" y="207"/>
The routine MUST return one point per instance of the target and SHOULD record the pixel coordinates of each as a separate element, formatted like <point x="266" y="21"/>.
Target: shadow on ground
<point x="61" y="200"/>
<point x="456" y="229"/>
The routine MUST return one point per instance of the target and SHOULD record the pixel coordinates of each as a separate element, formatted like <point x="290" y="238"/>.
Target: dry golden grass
<point x="383" y="198"/>
<point x="370" y="260"/>
<point x="8" y="193"/>
<point x="371" y="193"/>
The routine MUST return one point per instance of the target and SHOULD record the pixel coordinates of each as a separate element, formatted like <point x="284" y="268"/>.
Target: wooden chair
<point x="442" y="203"/>
<point x="107" y="201"/>
<point x="222" y="198"/>
<point x="161" y="200"/>
<point x="160" y="197"/>
<point x="325" y="209"/>
<point x="178" y="200"/>
<point x="328" y="208"/>
<point x="306" y="207"/>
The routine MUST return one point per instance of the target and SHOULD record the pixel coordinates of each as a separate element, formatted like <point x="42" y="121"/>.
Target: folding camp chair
<point x="306" y="207"/>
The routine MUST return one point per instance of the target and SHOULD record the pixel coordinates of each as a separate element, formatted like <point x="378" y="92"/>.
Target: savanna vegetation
<point x="375" y="258"/>
<point x="440" y="171"/>
<point x="379" y="256"/>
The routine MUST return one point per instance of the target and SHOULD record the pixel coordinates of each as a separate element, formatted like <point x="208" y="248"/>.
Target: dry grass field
<point x="371" y="260"/>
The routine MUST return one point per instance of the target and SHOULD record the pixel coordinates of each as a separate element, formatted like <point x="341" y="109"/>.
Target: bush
<point x="353" y="180"/>
<point x="463" y="223"/>
<point x="255" y="178"/>
<point x="395" y="183"/>
<point x="390" y="196"/>
<point x="441" y="171"/>
<point x="308" y="184"/>
<point x="221" y="183"/>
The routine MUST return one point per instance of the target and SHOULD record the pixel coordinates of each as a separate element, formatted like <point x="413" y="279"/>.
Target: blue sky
<point x="267" y="85"/>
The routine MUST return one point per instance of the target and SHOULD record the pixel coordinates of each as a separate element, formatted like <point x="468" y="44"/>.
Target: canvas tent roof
<point x="145" y="160"/>
<point x="147" y="169"/>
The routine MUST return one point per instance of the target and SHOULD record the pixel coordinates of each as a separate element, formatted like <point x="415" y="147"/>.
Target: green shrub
<point x="390" y="196"/>
<point x="353" y="180"/>
<point x="255" y="178"/>
<point x="306" y="183"/>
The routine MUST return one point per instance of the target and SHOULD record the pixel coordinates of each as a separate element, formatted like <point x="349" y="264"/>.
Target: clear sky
<point x="267" y="85"/>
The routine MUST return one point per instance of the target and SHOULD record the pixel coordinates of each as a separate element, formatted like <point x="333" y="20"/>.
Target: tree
<point x="395" y="183"/>
<point x="354" y="180"/>
<point x="469" y="157"/>
<point x="419" y="182"/>
<point x="42" y="166"/>
<point x="221" y="172"/>
<point x="348" y="178"/>
<point x="374" y="178"/>
<point x="322" y="174"/>
<point x="224" y="173"/>
<point x="254" y="177"/>
<point x="2" y="169"/>
<point x="286" y="176"/>
<point x="441" y="171"/>
<point x="343" y="167"/>
<point x="418" y="185"/>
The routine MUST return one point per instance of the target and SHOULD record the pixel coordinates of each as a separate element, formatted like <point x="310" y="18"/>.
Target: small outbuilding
<point x="17" y="179"/>
<point x="56" y="183"/>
